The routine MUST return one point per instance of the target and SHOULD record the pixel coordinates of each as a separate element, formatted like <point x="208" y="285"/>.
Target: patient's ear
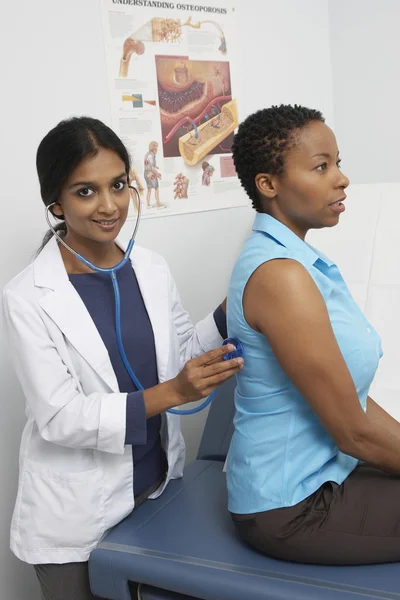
<point x="266" y="185"/>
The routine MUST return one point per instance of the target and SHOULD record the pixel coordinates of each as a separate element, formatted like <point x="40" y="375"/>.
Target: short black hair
<point x="262" y="141"/>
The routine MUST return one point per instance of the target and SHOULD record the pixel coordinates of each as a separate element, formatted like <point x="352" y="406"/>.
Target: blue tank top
<point x="280" y="454"/>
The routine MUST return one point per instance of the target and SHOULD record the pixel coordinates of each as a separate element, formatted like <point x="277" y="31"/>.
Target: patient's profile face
<point x="310" y="192"/>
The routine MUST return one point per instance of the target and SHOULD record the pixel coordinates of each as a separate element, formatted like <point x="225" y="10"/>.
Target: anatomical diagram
<point x="197" y="112"/>
<point x="163" y="31"/>
<point x="181" y="186"/>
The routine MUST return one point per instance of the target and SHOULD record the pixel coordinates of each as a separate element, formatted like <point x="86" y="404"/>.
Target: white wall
<point x="365" y="51"/>
<point x="52" y="65"/>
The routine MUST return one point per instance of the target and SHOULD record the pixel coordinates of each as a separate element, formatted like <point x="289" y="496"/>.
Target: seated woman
<point x="314" y="462"/>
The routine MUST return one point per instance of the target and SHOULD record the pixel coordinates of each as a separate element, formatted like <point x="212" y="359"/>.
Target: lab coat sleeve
<point x="62" y="413"/>
<point x="193" y="340"/>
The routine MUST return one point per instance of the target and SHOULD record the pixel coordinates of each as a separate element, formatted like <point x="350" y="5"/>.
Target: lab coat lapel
<point x="65" y="307"/>
<point x="153" y="283"/>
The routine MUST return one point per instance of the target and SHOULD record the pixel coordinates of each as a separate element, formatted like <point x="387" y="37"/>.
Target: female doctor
<point x="94" y="446"/>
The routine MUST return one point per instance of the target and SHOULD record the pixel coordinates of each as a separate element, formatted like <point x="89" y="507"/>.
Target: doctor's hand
<point x="200" y="376"/>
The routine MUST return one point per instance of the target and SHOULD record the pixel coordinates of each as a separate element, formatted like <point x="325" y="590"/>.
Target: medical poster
<point x="172" y="84"/>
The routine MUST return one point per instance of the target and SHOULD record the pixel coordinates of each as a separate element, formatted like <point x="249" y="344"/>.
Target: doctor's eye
<point x="119" y="186"/>
<point x="85" y="192"/>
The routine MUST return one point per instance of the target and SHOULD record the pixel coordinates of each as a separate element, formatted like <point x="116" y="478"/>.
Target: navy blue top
<point x="143" y="434"/>
<point x="96" y="291"/>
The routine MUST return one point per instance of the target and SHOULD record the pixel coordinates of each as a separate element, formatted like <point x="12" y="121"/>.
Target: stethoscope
<point x="112" y="271"/>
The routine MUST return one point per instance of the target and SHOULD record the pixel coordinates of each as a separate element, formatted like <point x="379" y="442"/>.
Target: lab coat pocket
<point x="61" y="509"/>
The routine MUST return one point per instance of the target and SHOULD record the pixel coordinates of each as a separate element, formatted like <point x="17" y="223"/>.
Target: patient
<point x="314" y="462"/>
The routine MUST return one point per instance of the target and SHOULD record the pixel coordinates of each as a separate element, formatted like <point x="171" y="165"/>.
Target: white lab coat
<point x="75" y="472"/>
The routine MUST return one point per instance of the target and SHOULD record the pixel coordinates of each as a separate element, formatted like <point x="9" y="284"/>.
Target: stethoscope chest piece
<point x="237" y="353"/>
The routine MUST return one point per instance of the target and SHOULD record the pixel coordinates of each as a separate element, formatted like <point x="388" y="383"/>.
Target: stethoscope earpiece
<point x="110" y="270"/>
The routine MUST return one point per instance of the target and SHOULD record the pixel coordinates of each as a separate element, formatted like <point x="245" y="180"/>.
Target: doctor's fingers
<point x="213" y="356"/>
<point x="221" y="367"/>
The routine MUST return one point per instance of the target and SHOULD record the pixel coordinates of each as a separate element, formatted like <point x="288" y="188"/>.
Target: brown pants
<point x="355" y="523"/>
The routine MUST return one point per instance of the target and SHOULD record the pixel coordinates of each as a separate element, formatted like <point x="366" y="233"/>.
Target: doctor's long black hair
<point x="61" y="151"/>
